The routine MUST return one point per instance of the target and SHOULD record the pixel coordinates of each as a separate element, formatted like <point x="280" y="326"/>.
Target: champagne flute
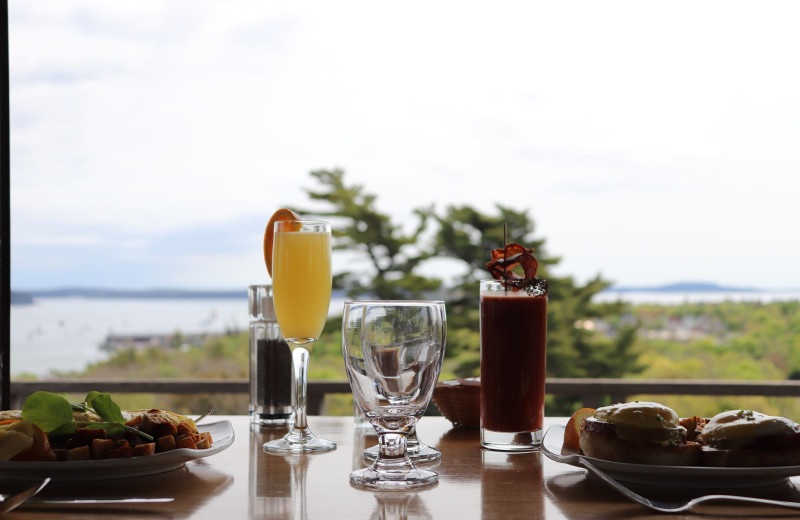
<point x="301" y="285"/>
<point x="393" y="353"/>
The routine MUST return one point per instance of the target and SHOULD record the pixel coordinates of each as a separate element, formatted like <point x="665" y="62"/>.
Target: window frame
<point x="5" y="217"/>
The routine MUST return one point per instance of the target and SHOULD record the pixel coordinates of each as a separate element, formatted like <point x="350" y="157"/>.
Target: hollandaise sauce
<point x="738" y="428"/>
<point x="642" y="420"/>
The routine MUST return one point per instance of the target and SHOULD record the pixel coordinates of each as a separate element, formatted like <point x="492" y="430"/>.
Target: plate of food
<point x="94" y="440"/>
<point x="646" y="443"/>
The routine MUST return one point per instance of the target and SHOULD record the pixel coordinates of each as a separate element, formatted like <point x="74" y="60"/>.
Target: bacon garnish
<point x="504" y="260"/>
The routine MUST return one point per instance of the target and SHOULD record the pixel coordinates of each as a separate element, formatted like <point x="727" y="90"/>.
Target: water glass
<point x="393" y="353"/>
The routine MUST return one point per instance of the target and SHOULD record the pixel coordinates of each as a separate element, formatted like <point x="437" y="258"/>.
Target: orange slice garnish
<point x="281" y="214"/>
<point x="572" y="432"/>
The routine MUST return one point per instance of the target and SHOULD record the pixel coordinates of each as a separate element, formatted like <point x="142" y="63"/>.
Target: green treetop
<point x="390" y="258"/>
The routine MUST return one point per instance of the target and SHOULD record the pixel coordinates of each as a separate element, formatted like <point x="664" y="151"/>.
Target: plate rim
<point x="122" y="468"/>
<point x="657" y="470"/>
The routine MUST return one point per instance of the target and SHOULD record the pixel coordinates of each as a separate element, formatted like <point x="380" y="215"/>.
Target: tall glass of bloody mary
<point x="513" y="330"/>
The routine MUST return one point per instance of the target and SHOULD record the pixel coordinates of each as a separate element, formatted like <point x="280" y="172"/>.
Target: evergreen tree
<point x="573" y="349"/>
<point x="466" y="235"/>
<point x="391" y="253"/>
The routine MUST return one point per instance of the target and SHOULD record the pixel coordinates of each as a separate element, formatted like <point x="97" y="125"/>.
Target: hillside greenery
<point x="718" y="341"/>
<point x="721" y="341"/>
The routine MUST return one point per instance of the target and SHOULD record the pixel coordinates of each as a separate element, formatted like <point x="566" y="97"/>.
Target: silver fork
<point x="677" y="507"/>
<point x="12" y="502"/>
<point x="209" y="412"/>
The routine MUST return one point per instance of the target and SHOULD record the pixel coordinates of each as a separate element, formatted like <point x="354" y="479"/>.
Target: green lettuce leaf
<point x="106" y="408"/>
<point x="47" y="411"/>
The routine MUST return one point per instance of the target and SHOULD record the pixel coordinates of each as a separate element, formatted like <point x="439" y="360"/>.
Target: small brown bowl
<point x="460" y="401"/>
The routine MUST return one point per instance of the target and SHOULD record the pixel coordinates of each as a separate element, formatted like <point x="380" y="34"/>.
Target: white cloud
<point x="631" y="130"/>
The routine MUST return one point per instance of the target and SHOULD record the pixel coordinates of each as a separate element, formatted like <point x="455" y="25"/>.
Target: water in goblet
<point x="393" y="354"/>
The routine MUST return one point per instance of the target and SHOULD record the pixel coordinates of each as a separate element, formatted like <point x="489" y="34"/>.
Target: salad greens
<point x="54" y="414"/>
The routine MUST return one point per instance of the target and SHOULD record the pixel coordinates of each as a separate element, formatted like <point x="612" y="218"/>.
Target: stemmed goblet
<point x="301" y="285"/>
<point x="393" y="354"/>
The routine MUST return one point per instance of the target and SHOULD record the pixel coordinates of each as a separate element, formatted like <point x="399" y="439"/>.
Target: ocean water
<point x="66" y="333"/>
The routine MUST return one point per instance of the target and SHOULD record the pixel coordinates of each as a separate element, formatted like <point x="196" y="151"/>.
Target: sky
<point x="650" y="142"/>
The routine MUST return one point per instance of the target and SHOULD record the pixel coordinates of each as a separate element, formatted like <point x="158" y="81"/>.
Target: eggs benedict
<point x="639" y="432"/>
<point x="750" y="438"/>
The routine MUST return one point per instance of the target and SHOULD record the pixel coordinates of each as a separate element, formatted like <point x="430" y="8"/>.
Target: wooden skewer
<point x="505" y="255"/>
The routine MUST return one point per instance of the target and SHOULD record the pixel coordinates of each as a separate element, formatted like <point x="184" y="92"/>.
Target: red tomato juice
<point x="513" y="343"/>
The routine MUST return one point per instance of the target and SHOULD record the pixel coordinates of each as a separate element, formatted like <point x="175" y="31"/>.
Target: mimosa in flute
<point x="301" y="280"/>
<point x="302" y="283"/>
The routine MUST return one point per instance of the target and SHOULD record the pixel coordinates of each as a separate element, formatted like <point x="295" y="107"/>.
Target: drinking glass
<point x="301" y="285"/>
<point x="393" y="353"/>
<point x="513" y="351"/>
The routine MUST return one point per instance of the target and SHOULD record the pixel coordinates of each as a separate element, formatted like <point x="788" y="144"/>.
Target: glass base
<point x="265" y="419"/>
<point x="299" y="441"/>
<point x="393" y="480"/>
<point x="418" y="452"/>
<point x="511" y="441"/>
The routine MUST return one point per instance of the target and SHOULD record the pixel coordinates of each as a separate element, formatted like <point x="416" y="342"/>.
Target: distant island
<point x="27" y="297"/>
<point x="18" y="298"/>
<point x="82" y="292"/>
<point x="684" y="287"/>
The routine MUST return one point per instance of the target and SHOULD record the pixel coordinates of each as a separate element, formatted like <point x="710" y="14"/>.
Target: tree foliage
<point x="392" y="257"/>
<point x="391" y="252"/>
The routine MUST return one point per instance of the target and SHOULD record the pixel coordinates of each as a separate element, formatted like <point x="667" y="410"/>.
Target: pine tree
<point x="391" y="258"/>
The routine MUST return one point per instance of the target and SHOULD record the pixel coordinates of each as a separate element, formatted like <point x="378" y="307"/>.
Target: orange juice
<point x="301" y="283"/>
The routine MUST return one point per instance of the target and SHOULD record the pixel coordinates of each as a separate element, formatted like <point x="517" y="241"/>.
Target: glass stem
<point x="300" y="365"/>
<point x="392" y="445"/>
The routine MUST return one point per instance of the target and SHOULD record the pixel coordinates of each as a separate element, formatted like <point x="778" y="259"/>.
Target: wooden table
<point x="245" y="482"/>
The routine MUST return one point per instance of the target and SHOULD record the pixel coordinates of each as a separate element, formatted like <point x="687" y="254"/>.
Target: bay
<point x="65" y="334"/>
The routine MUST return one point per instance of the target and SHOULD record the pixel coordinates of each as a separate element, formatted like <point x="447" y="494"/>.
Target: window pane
<point x="152" y="140"/>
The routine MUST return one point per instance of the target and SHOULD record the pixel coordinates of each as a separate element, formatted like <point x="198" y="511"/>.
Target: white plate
<point x="674" y="476"/>
<point x="221" y="434"/>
